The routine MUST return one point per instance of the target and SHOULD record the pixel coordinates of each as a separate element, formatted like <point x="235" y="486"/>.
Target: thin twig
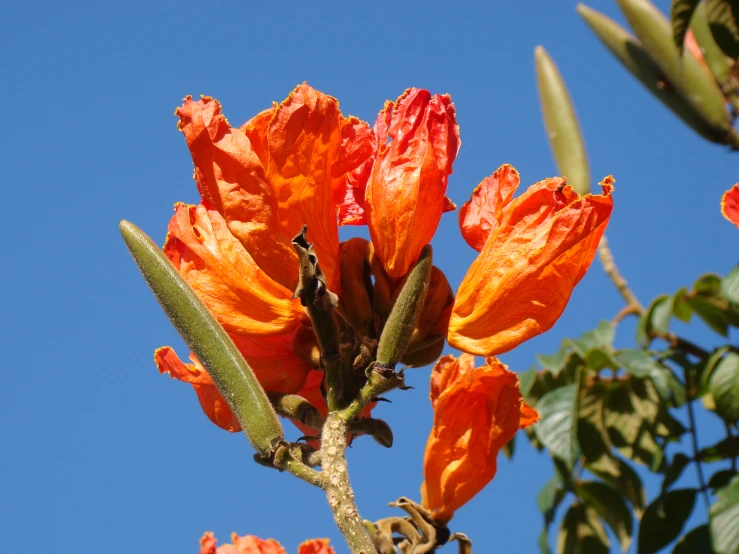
<point x="694" y="439"/>
<point x="729" y="437"/>
<point x="633" y="306"/>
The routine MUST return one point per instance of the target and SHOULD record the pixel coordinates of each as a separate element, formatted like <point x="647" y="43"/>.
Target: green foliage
<point x="722" y="19"/>
<point x="604" y="409"/>
<point x="725" y="519"/>
<point x="664" y="519"/>
<point x="681" y="13"/>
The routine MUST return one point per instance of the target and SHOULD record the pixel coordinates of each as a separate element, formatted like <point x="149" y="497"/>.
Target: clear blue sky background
<point x="102" y="454"/>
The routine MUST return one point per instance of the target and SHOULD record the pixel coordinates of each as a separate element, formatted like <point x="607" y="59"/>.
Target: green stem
<point x="694" y="439"/>
<point x="339" y="492"/>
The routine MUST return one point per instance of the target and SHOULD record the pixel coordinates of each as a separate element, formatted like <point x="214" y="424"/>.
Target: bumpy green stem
<point x="339" y="493"/>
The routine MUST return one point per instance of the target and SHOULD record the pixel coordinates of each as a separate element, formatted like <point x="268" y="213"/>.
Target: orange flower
<point x="249" y="544"/>
<point x="534" y="249"/>
<point x="259" y="184"/>
<point x="405" y="195"/>
<point x="730" y="204"/>
<point x="476" y="412"/>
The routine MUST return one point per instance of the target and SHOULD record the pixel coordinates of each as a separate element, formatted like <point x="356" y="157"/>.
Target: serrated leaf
<point x="664" y="518"/>
<point x="681" y="13"/>
<point x="730" y="286"/>
<point x="697" y="541"/>
<point x="724" y="387"/>
<point x="610" y="505"/>
<point x="722" y="19"/>
<point x="674" y="470"/>
<point x="557" y="429"/>
<point x="724" y="519"/>
<point x="722" y="450"/>
<point x="720" y="479"/>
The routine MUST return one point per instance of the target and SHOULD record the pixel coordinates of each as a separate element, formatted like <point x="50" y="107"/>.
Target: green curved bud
<point x="634" y="57"/>
<point x="560" y="121"/>
<point x="715" y="58"/>
<point x="684" y="73"/>
<point x="207" y="339"/>
<point x="405" y="312"/>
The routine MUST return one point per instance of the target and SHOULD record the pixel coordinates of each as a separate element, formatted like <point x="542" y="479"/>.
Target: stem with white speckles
<point x="338" y="489"/>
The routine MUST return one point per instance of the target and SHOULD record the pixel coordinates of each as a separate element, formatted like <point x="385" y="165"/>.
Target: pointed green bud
<point x="560" y="121"/>
<point x="207" y="339"/>
<point x="685" y="73"/>
<point x="715" y="58"/>
<point x="405" y="312"/>
<point x="634" y="57"/>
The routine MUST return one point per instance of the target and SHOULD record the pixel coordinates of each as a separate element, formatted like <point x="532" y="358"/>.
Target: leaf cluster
<point x="605" y="409"/>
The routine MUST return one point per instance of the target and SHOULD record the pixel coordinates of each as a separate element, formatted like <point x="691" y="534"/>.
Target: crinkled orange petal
<point x="730" y="204"/>
<point x="352" y="170"/>
<point x="522" y="280"/>
<point x="248" y="544"/>
<point x="480" y="215"/>
<point x="476" y="412"/>
<point x="529" y="415"/>
<point x="304" y="139"/>
<point x="232" y="178"/>
<point x="240" y="295"/>
<point x="316" y="546"/>
<point x="213" y="404"/>
<point x="405" y="195"/>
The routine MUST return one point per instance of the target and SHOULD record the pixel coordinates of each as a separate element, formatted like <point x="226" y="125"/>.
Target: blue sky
<point x="100" y="452"/>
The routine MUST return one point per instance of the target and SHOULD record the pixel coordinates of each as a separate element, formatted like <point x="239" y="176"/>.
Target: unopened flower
<point x="476" y="412"/>
<point x="533" y="249"/>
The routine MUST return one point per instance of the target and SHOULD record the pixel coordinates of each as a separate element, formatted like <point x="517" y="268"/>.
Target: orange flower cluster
<point x="303" y="162"/>
<point x="249" y="544"/>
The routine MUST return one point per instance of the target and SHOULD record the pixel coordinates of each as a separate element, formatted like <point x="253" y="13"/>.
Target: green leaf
<point x="554" y="363"/>
<point x="656" y="319"/>
<point x="674" y="470"/>
<point x="724" y="387"/>
<point x="685" y="73"/>
<point x="634" y="57"/>
<point x="722" y="450"/>
<point x="722" y="19"/>
<point x="724" y="519"/>
<point x="610" y="505"/>
<point x="730" y="286"/>
<point x="680" y="307"/>
<point x="549" y="498"/>
<point x="509" y="447"/>
<point x="640" y="364"/>
<point x="720" y="479"/>
<point x="560" y="121"/>
<point x="681" y="12"/>
<point x="711" y="312"/>
<point x="664" y="519"/>
<point x="557" y="429"/>
<point x="544" y="542"/>
<point x="527" y="380"/>
<point x="207" y="339"/>
<point x="708" y="284"/>
<point x="592" y="434"/>
<point x="697" y="541"/>
<point x="599" y="358"/>
<point x="627" y="481"/>
<point x="708" y="368"/>
<point x="582" y="532"/>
